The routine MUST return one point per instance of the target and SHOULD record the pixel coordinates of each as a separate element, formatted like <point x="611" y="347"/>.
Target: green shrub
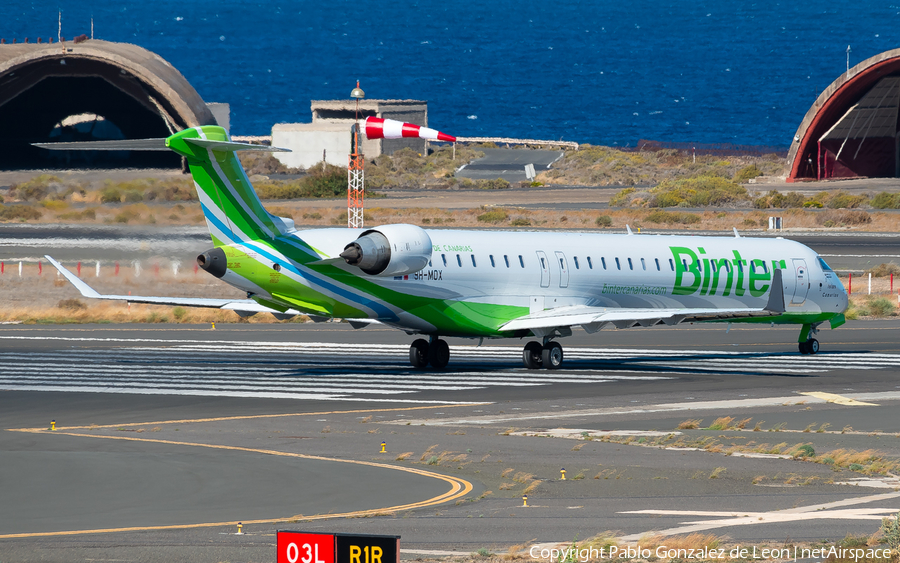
<point x="843" y="200"/>
<point x="111" y="194"/>
<point x="622" y="197"/>
<point x="37" y="188"/>
<point x="885" y="200"/>
<point x="698" y="191"/>
<point x="778" y="200"/>
<point x="604" y="221"/>
<point x="747" y="173"/>
<point x="890" y="531"/>
<point x="54" y="204"/>
<point x="806" y="450"/>
<point x="498" y="184"/>
<point x="520" y="222"/>
<point x="882" y="307"/>
<point x="20" y="212"/>
<point x="493" y="216"/>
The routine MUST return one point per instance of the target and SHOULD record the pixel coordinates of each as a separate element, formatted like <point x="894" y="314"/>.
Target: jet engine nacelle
<point x="390" y="250"/>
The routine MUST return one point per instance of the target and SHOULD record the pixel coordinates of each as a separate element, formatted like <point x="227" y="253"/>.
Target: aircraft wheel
<point x="552" y="355"/>
<point x="532" y="355"/>
<point x="802" y="347"/>
<point x="812" y="346"/>
<point x="439" y="354"/>
<point x="418" y="353"/>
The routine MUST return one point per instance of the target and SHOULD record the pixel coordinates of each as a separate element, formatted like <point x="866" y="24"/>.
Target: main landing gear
<point x="436" y="352"/>
<point x="549" y="356"/>
<point x="806" y="342"/>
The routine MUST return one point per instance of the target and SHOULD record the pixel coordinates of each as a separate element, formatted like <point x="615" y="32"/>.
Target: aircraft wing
<point x="593" y="319"/>
<point x="237" y="305"/>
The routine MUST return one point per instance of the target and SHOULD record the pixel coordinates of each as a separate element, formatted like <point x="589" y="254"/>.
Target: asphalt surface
<point x="508" y="164"/>
<point x="170" y="434"/>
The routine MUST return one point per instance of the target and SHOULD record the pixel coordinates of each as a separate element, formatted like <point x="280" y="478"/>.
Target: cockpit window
<point x="824" y="265"/>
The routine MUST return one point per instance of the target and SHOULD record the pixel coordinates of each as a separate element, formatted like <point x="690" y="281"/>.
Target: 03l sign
<point x="302" y="547"/>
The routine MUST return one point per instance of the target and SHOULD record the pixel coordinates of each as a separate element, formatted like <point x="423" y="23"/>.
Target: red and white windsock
<point x="378" y="128"/>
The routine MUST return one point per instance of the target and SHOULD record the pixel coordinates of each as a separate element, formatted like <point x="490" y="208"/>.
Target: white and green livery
<point x="488" y="284"/>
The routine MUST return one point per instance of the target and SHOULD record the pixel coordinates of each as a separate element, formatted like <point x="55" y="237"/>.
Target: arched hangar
<point x="852" y="129"/>
<point x="90" y="90"/>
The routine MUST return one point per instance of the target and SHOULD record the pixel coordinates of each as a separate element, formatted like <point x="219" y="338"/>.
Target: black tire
<point x="532" y="355"/>
<point x="552" y="355"/>
<point x="802" y="347"/>
<point x="418" y="353"/>
<point x="812" y="346"/>
<point x="439" y="354"/>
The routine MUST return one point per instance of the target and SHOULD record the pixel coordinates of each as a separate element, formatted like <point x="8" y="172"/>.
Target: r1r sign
<point x="302" y="547"/>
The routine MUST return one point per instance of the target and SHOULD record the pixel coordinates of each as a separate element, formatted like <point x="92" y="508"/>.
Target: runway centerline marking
<point x="458" y="488"/>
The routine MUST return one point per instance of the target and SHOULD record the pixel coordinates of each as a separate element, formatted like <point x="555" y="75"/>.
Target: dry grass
<point x="403" y="456"/>
<point x="690" y="424"/>
<point x="694" y="541"/>
<point x="429" y="452"/>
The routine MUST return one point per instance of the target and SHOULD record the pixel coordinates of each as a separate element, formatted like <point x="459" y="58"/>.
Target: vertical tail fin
<point x="232" y="209"/>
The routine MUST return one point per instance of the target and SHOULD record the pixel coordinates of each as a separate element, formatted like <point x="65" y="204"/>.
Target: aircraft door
<point x="563" y="269"/>
<point x="545" y="268"/>
<point x="801" y="281"/>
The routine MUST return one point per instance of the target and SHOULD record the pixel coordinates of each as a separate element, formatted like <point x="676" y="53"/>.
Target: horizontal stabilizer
<point x="237" y="305"/>
<point x="115" y="145"/>
<point x="230" y="146"/>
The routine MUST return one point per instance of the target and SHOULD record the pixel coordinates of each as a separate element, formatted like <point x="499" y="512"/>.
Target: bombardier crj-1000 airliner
<point x="488" y="284"/>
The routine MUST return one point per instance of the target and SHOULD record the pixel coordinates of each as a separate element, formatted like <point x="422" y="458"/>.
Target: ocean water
<point x="592" y="71"/>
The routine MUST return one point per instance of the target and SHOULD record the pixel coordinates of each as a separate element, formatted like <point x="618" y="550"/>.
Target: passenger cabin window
<point x="474" y="265"/>
<point x="740" y="266"/>
<point x="444" y="258"/>
<point x="458" y="261"/>
<point x="543" y="264"/>
<point x="684" y="263"/>
<point x="562" y="265"/>
<point x="576" y="262"/>
<point x="603" y="261"/>
<point x="521" y="261"/>
<point x="672" y="264"/>
<point x="618" y="265"/>
<point x="492" y="262"/>
<point x="643" y="264"/>
<point x="591" y="264"/>
<point x="630" y="265"/>
<point x="658" y="269"/>
<point x="712" y="266"/>
<point x="506" y="259"/>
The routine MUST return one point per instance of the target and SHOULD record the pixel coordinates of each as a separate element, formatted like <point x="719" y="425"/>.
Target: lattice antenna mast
<point x="355" y="174"/>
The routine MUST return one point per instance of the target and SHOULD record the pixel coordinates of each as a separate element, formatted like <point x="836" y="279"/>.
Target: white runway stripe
<point x="358" y="372"/>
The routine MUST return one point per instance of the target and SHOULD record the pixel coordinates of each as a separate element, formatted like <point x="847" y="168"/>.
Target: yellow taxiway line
<point x="458" y="487"/>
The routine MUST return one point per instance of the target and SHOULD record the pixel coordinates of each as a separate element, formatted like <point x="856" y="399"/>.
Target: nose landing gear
<point x="806" y="343"/>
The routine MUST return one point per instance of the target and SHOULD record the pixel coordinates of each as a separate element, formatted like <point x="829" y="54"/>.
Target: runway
<point x="171" y="434"/>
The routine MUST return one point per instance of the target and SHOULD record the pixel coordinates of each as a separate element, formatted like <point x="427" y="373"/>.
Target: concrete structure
<point x="328" y="136"/>
<point x="136" y="92"/>
<point x="851" y="130"/>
